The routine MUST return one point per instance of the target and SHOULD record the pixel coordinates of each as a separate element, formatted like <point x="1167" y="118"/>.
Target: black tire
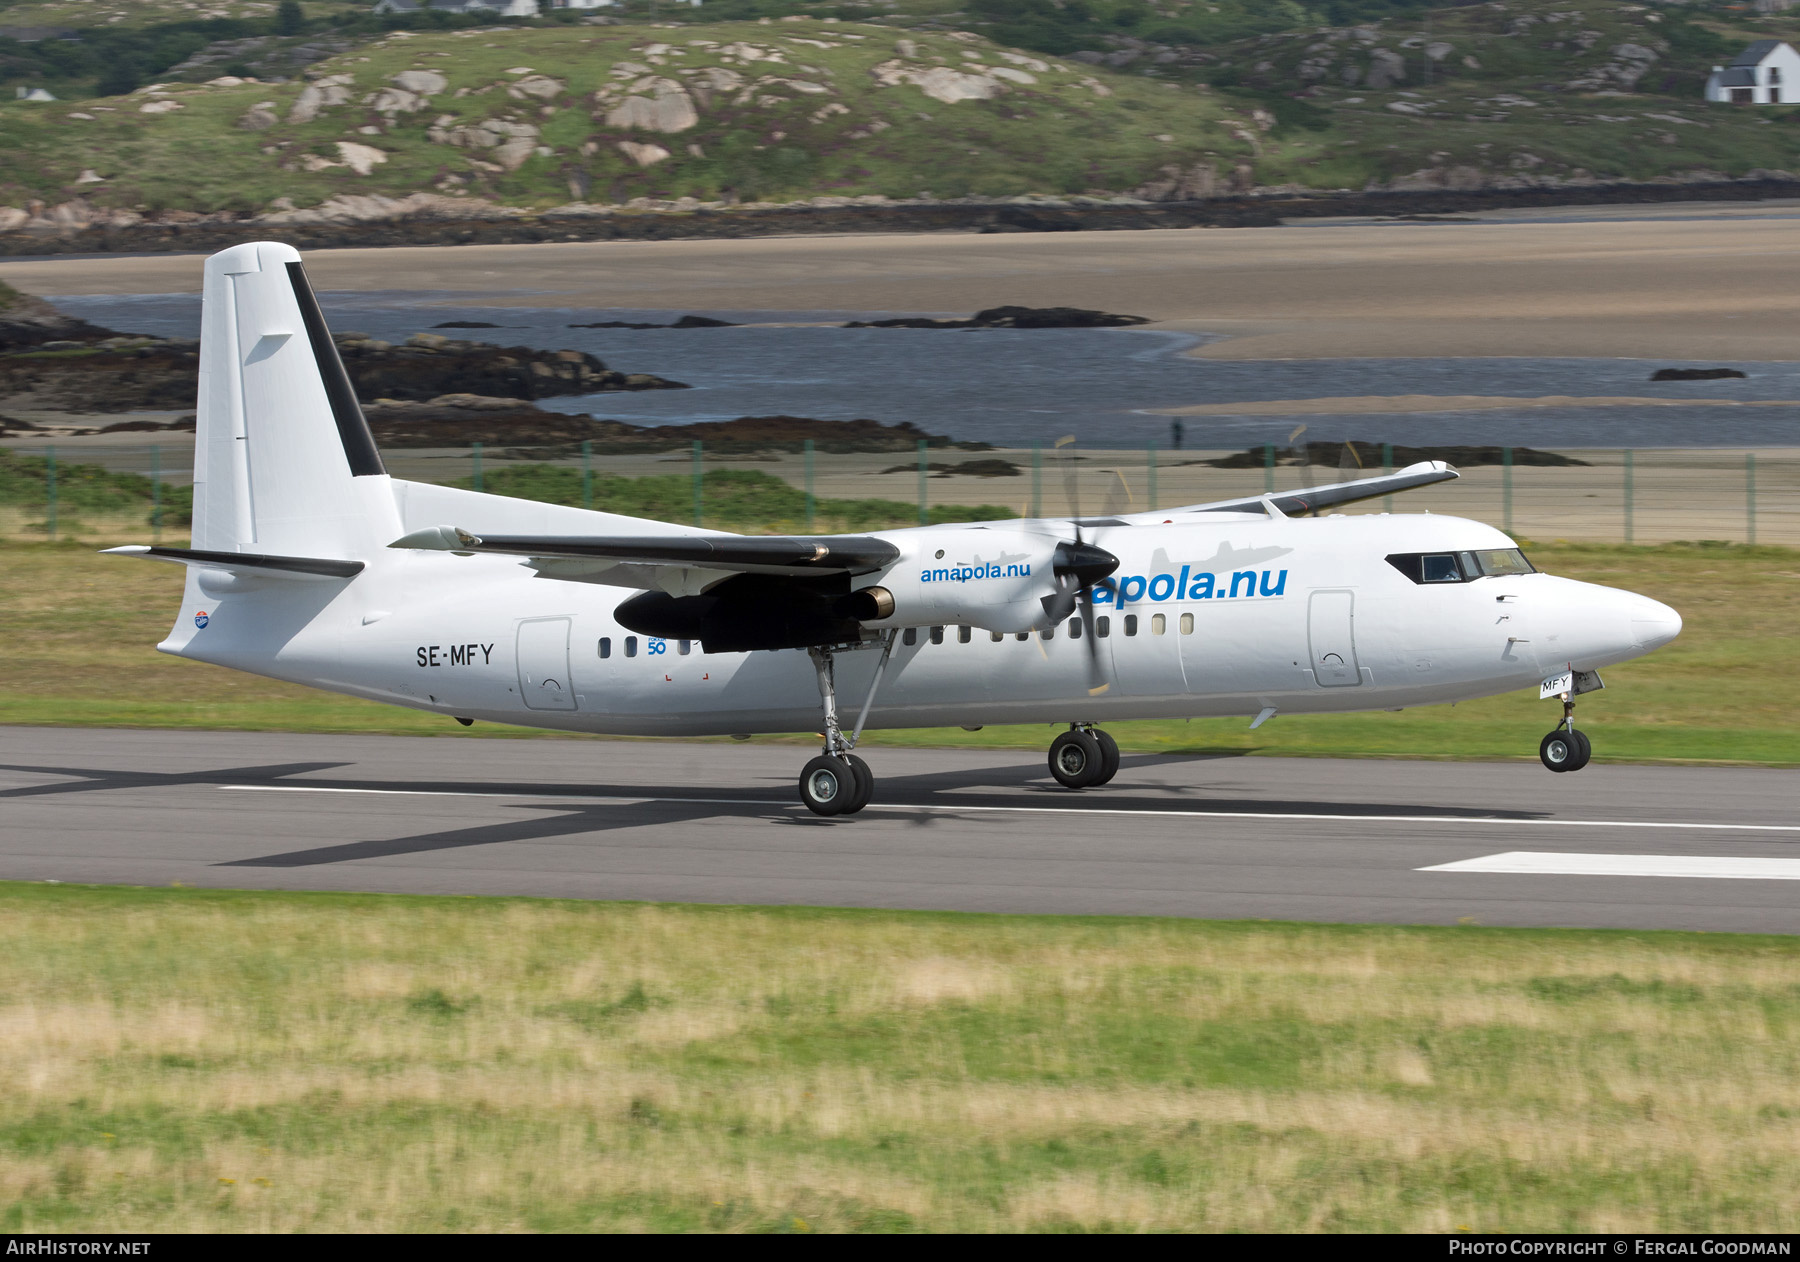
<point x="1109" y="757"/>
<point x="865" y="785"/>
<point x="1583" y="752"/>
<point x="1076" y="760"/>
<point x="1561" y="750"/>
<point x="827" y="785"/>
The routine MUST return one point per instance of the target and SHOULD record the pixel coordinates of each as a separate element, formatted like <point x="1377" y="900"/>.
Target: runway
<point x="1218" y="837"/>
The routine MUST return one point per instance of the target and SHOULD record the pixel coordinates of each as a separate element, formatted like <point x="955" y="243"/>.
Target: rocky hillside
<point x="1506" y="94"/>
<point x="498" y="121"/>
<point x="713" y="114"/>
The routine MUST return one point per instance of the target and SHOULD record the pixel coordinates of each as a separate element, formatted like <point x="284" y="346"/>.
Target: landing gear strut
<point x="1565" y="749"/>
<point x="1084" y="757"/>
<point x="838" y="782"/>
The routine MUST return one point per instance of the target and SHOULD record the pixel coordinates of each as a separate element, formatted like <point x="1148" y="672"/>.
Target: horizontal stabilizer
<point x="245" y="562"/>
<point x="1317" y="498"/>
<point x="744" y="554"/>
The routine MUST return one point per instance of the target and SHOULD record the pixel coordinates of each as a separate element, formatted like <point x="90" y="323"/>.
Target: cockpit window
<point x="1460" y="567"/>
<point x="1495" y="562"/>
<point x="1439" y="567"/>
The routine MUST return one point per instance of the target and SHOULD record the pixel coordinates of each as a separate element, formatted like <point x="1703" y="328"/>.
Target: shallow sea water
<point x="1014" y="387"/>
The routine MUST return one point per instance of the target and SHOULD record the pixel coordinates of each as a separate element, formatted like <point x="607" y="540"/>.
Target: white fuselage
<point x="1305" y="616"/>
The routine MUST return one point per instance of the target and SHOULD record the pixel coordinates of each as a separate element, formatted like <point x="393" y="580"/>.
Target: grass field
<point x="80" y="630"/>
<point x="180" y="1060"/>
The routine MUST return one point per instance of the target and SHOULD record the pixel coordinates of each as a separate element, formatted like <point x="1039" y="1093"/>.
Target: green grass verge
<point x="180" y="1060"/>
<point x="81" y="630"/>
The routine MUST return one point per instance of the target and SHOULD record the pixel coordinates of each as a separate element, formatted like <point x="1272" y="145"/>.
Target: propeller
<point x="1077" y="566"/>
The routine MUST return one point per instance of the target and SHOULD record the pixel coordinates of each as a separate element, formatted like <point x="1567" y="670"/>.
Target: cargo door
<point x="544" y="664"/>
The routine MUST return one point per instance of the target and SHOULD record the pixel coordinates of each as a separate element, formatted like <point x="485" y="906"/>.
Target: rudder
<point x="284" y="462"/>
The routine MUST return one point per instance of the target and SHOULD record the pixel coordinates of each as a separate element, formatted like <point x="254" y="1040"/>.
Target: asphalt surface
<point x="1227" y="837"/>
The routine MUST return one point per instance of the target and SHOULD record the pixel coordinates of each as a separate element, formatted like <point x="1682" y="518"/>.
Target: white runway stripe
<point x="1539" y="863"/>
<point x="961" y="808"/>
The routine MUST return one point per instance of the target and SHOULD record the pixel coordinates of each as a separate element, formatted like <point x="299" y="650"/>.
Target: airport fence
<point x="98" y="490"/>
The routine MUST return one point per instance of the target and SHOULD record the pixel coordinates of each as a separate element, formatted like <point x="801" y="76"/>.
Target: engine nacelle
<point x="995" y="579"/>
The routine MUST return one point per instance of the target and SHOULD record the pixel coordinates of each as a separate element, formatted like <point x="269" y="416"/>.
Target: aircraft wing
<point x="684" y="563"/>
<point x="1315" y="499"/>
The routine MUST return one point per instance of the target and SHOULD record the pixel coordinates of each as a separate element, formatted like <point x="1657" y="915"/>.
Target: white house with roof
<point x="1766" y="73"/>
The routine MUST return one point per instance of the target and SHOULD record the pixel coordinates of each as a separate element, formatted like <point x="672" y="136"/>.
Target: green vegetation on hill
<point x="180" y="1060"/>
<point x="539" y="116"/>
<point x="731" y="499"/>
<point x="1194" y="100"/>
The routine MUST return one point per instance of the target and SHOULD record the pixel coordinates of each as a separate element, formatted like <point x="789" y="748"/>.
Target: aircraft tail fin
<point x="284" y="462"/>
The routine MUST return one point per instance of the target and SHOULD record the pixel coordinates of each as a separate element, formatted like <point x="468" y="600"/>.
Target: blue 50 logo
<point x="656" y="648"/>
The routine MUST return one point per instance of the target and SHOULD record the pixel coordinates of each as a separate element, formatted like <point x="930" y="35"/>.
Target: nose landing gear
<point x="1565" y="749"/>
<point x="1084" y="757"/>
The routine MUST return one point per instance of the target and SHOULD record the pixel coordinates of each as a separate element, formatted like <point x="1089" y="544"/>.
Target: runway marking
<point x="1674" y="825"/>
<point x="1538" y="863"/>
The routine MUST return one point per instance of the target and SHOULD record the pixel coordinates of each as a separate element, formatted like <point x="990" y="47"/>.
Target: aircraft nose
<point x="1653" y="624"/>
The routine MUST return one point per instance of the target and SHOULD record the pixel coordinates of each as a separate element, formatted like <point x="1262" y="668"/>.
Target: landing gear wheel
<point x="1076" y="759"/>
<point x="1565" y="749"/>
<point x="865" y="785"/>
<point x="1584" y="753"/>
<point x="828" y="785"/>
<point x="1109" y="757"/>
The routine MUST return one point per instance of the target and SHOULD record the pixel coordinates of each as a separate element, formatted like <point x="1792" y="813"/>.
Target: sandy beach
<point x="1644" y="282"/>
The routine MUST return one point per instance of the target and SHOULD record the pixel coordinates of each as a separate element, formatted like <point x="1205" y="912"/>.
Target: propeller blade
<point x="1097" y="681"/>
<point x="1070" y="488"/>
<point x="1118" y="495"/>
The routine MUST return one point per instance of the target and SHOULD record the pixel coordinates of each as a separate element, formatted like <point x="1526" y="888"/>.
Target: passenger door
<point x="544" y="664"/>
<point x="1331" y="637"/>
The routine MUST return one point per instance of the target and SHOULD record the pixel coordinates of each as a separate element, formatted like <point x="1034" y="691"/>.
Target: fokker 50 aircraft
<point x="310" y="564"/>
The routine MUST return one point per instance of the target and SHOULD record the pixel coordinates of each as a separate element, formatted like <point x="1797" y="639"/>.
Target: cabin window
<point x="1158" y="624"/>
<point x="1187" y="624"/>
<point x="1074" y="628"/>
<point x="910" y="636"/>
<point x="964" y="634"/>
<point x="996" y="636"/>
<point x="1130" y="624"/>
<point x="631" y="646"/>
<point x="1023" y="635"/>
<point x="1102" y="626"/>
<point x="605" y="647"/>
<point x="1049" y="633"/>
<point x="684" y="647"/>
<point x="937" y="635"/>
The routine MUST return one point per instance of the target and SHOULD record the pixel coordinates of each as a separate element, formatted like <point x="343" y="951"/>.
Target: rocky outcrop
<point x="1363" y="459"/>
<point x="27" y="320"/>
<point x="461" y="419"/>
<point x="1695" y="374"/>
<point x="685" y="322"/>
<point x="428" y="365"/>
<point x="127" y="374"/>
<point x="1012" y="318"/>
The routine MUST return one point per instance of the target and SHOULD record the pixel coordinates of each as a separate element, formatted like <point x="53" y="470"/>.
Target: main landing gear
<point x="838" y="782"/>
<point x="1565" y="749"/>
<point x="1084" y="757"/>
